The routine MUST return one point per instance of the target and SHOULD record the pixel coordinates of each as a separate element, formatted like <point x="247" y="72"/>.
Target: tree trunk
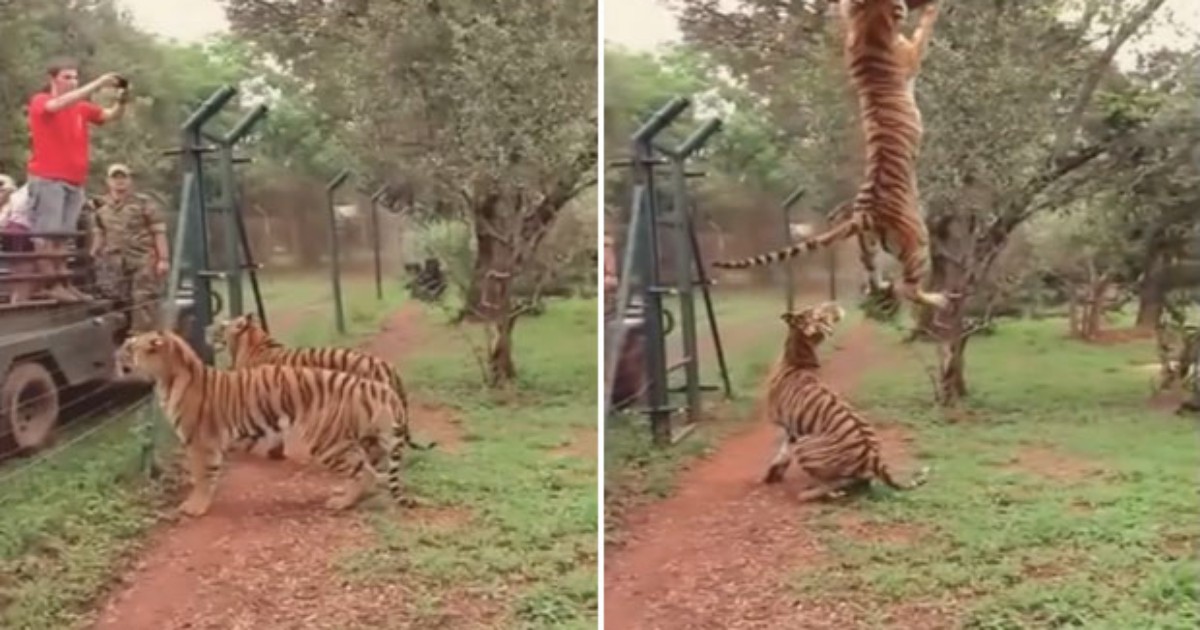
<point x="1097" y="300"/>
<point x="952" y="381"/>
<point x="475" y="306"/>
<point x="501" y="368"/>
<point x="1074" y="328"/>
<point x="1152" y="294"/>
<point x="952" y="373"/>
<point x="485" y="223"/>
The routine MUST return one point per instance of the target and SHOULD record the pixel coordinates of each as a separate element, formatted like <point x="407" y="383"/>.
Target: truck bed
<point x="78" y="338"/>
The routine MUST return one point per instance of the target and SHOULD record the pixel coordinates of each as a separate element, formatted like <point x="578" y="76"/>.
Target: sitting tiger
<point x="249" y="345"/>
<point x="827" y="438"/>
<point x="325" y="414"/>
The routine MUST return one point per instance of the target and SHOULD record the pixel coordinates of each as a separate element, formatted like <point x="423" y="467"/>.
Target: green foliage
<point x="443" y="97"/>
<point x="1059" y="503"/>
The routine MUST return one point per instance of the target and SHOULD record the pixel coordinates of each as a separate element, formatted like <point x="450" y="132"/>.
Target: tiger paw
<point x="341" y="501"/>
<point x="410" y="502"/>
<point x="195" y="506"/>
<point x="936" y="300"/>
<point x="774" y="475"/>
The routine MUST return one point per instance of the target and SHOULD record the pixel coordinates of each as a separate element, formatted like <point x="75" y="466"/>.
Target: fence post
<point x="375" y="242"/>
<point x="335" y="264"/>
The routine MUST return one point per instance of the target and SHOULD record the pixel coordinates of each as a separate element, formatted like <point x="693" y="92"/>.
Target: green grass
<point x="520" y="535"/>
<point x="68" y="522"/>
<point x="1107" y="542"/>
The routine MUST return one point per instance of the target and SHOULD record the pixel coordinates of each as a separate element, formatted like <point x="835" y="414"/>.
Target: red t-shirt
<point x="60" y="139"/>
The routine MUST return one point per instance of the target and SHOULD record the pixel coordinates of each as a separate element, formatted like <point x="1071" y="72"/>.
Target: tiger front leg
<point x="204" y="466"/>
<point x="782" y="459"/>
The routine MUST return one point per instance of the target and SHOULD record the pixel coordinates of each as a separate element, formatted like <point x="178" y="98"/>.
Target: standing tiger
<point x="883" y="66"/>
<point x="325" y="415"/>
<point x="827" y="438"/>
<point x="249" y="345"/>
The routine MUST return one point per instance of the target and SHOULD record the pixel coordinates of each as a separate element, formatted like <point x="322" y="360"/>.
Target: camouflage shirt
<point x="129" y="227"/>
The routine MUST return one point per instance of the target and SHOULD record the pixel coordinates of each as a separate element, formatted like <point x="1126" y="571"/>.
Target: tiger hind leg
<point x="352" y="462"/>
<point x="884" y="474"/>
<point x="911" y="291"/>
<point x="834" y="465"/>
<point x="832" y="489"/>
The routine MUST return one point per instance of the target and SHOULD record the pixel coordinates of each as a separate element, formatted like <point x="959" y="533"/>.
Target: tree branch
<point x="1074" y="120"/>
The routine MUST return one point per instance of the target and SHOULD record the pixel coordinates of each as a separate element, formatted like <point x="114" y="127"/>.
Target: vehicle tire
<point x="29" y="404"/>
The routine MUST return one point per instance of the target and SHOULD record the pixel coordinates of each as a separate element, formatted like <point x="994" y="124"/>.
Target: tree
<point x="484" y="109"/>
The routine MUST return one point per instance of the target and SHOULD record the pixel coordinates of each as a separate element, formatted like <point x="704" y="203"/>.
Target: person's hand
<point x="110" y="79"/>
<point x="161" y="266"/>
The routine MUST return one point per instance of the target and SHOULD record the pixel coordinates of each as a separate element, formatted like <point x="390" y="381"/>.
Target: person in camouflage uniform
<point x="130" y="249"/>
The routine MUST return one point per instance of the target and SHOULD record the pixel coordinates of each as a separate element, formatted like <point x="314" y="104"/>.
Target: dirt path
<point x="265" y="555"/>
<point x="715" y="554"/>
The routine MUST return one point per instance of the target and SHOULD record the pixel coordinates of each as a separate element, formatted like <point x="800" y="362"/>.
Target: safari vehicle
<point x="52" y="352"/>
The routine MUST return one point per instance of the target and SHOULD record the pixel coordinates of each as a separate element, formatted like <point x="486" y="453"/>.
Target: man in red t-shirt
<point x="58" y="165"/>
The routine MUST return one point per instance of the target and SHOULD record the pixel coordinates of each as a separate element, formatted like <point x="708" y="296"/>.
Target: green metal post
<point x="230" y="204"/>
<point x="233" y="259"/>
<point x="788" y="271"/>
<point x="197" y="248"/>
<point x="684" y="285"/>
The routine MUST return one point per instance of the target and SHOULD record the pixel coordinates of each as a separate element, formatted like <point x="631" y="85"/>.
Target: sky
<point x="643" y="25"/>
<point x="184" y="20"/>
<point x="637" y="24"/>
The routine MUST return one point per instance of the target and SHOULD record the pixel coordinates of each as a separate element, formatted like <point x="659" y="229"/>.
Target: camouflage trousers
<point x="136" y="290"/>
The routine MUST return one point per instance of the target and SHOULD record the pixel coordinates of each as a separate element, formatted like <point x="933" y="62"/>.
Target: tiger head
<point x="894" y="11"/>
<point x="243" y="331"/>
<point x="814" y="323"/>
<point x="154" y="354"/>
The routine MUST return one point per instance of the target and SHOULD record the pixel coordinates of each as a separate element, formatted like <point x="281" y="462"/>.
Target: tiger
<point x="825" y="436"/>
<point x="883" y="65"/>
<point x="327" y="414"/>
<point x="250" y="345"/>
